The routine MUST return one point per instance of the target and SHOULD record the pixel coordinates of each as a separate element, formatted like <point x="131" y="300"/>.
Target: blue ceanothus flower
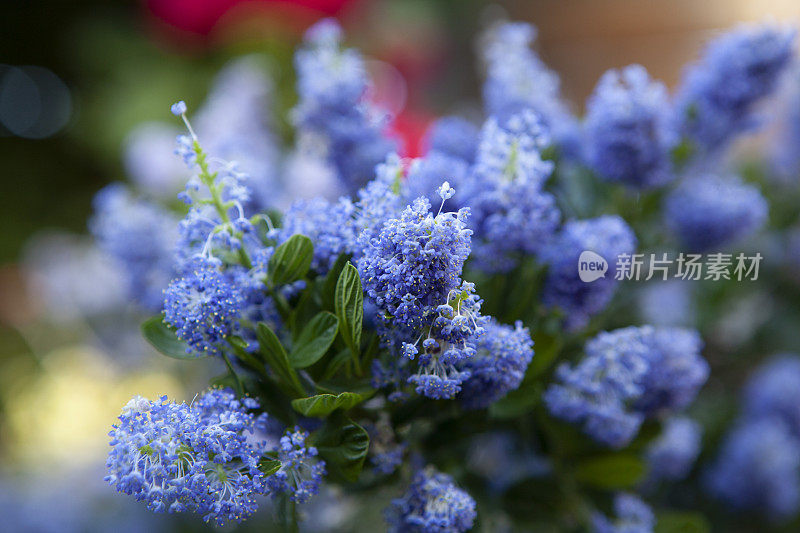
<point x="627" y="375"/>
<point x="511" y="214"/>
<point x="432" y="503"/>
<point x="426" y="174"/>
<point x="708" y="212"/>
<point x="608" y="236"/>
<point x="333" y="108"/>
<point x="411" y="272"/>
<point x="517" y="79"/>
<point x="203" y="306"/>
<point x="503" y="353"/>
<point x="774" y="390"/>
<point x="300" y="474"/>
<point x="628" y="133"/>
<point x="785" y="149"/>
<point x="200" y="458"/>
<point x="717" y="96"/>
<point x="633" y="516"/>
<point x="455" y="137"/>
<point x="140" y="237"/>
<point x="672" y="455"/>
<point x="758" y="468"/>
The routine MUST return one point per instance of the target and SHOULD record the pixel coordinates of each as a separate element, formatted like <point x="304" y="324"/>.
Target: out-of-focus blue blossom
<point x="140" y="237"/>
<point x="717" y="96"/>
<point x="708" y="212"/>
<point x="455" y="137"/>
<point x="71" y="278"/>
<point x="497" y="458"/>
<point x="758" y="468"/>
<point x="301" y="472"/>
<point x="329" y="225"/>
<point x="150" y="161"/>
<point x="667" y="303"/>
<point x="774" y="391"/>
<point x="235" y="124"/>
<point x="203" y="306"/>
<point x="511" y="213"/>
<point x="198" y="458"/>
<point x="432" y="502"/>
<point x="627" y="375"/>
<point x="517" y="79"/>
<point x="785" y="147"/>
<point x="608" y="236"/>
<point x="503" y="354"/>
<point x="672" y="455"/>
<point x="379" y="201"/>
<point x="633" y="516"/>
<point x="71" y="500"/>
<point x="333" y="107"/>
<point x="628" y="130"/>
<point x="427" y="174"/>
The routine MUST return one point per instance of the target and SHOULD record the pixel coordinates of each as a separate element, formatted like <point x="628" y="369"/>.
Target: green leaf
<point x="291" y="260"/>
<point x="322" y="405"/>
<point x="164" y="339"/>
<point x="314" y="340"/>
<point x="349" y="305"/>
<point x="343" y="444"/>
<point x="269" y="466"/>
<point x="610" y="471"/>
<point x="682" y="522"/>
<point x="275" y="356"/>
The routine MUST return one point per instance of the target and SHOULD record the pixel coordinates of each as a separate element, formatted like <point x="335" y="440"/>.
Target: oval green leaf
<point x="314" y="340"/>
<point x="291" y="260"/>
<point x="322" y="405"/>
<point x="164" y="339"/>
<point x="349" y="305"/>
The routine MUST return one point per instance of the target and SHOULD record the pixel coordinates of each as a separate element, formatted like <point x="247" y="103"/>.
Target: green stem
<point x="208" y="179"/>
<point x="239" y="384"/>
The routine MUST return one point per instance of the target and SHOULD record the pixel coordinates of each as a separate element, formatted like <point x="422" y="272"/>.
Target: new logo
<point x="591" y="266"/>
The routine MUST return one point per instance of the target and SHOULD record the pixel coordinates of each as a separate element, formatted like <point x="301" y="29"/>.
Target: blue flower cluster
<point x="503" y="353"/>
<point x="141" y="237"/>
<point x="628" y="375"/>
<point x="334" y="109"/>
<point x="633" y="516"/>
<point x="517" y="79"/>
<point x="608" y="236"/>
<point x="203" y="306"/>
<point x="708" y="212"/>
<point x="628" y="131"/>
<point x="512" y="215"/>
<point x="300" y="474"/>
<point x="199" y="458"/>
<point x="758" y="466"/>
<point x="432" y="503"/>
<point x="717" y="96"/>
<point x="785" y="149"/>
<point x="412" y="273"/>
<point x="672" y="455"/>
